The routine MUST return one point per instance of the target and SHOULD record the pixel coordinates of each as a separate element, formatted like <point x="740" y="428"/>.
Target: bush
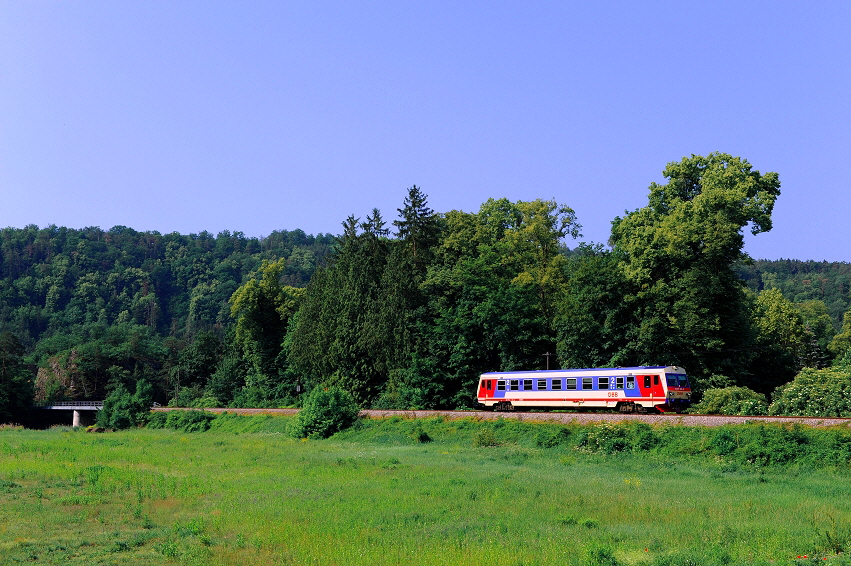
<point x="617" y="437"/>
<point x="325" y="412"/>
<point x="206" y="402"/>
<point x="815" y="393"/>
<point x="258" y="398"/>
<point x="123" y="410"/>
<point x="485" y="437"/>
<point x="157" y="419"/>
<point x="731" y="401"/>
<point x="187" y="421"/>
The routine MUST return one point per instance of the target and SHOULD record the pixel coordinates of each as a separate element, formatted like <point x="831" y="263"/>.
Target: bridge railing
<point x="92" y="405"/>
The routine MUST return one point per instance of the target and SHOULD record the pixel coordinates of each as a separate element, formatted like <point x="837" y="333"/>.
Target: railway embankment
<point x="565" y="417"/>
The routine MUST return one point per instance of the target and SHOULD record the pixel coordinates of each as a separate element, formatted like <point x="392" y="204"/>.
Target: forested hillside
<point x="407" y="312"/>
<point x="799" y="281"/>
<point x="94" y="308"/>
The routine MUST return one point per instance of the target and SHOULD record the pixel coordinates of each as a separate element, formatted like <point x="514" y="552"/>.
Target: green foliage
<point x="731" y="401"/>
<point x="492" y="291"/>
<point x="325" y="412"/>
<point x="262" y="308"/>
<point x="815" y="392"/>
<point x="802" y="281"/>
<point x="841" y="343"/>
<point x="686" y="304"/>
<point x="590" y="327"/>
<point x="121" y="409"/>
<point x="183" y="420"/>
<point x="16" y="387"/>
<point x="610" y="438"/>
<point x="485" y="437"/>
<point x="93" y="308"/>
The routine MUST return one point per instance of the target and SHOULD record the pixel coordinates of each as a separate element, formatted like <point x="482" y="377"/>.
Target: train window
<point x="500" y="385"/>
<point x="630" y="382"/>
<point x="571" y="383"/>
<point x="542" y="384"/>
<point x="515" y="384"/>
<point x="646" y="381"/>
<point x="482" y="385"/>
<point x="490" y="385"/>
<point x="527" y="385"/>
<point x="672" y="381"/>
<point x="602" y="383"/>
<point x="587" y="383"/>
<point x="556" y="385"/>
<point x="619" y="383"/>
<point x="683" y="381"/>
<point x="655" y="380"/>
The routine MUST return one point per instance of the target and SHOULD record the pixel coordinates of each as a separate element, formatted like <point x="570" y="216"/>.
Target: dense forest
<point x="407" y="313"/>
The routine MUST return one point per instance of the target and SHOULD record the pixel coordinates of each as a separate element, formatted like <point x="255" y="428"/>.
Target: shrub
<point x="550" y="438"/>
<point x="420" y="435"/>
<point x="206" y="402"/>
<point x="485" y="437"/>
<point x="816" y="393"/>
<point x="325" y="412"/>
<point x="157" y="419"/>
<point x="187" y="421"/>
<point x="123" y="410"/>
<point x="611" y="438"/>
<point x="731" y="401"/>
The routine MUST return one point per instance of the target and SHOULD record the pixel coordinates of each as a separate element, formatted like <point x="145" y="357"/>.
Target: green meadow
<point x="430" y="491"/>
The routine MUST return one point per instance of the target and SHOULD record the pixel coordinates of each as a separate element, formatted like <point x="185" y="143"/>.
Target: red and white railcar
<point x="632" y="389"/>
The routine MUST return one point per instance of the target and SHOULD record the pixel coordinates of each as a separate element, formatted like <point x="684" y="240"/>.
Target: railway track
<point x="564" y="417"/>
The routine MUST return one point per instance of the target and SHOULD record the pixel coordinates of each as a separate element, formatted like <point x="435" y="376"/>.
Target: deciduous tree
<point x="678" y="254"/>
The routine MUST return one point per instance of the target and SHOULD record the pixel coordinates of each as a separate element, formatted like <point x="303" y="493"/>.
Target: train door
<point x="486" y="388"/>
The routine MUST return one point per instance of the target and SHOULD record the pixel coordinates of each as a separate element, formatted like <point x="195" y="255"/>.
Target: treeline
<point x="800" y="281"/>
<point x="95" y="309"/>
<point x="406" y="313"/>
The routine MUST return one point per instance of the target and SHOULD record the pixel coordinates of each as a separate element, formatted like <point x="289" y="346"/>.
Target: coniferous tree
<point x="16" y="388"/>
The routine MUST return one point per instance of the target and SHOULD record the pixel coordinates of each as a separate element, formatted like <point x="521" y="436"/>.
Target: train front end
<point x="677" y="390"/>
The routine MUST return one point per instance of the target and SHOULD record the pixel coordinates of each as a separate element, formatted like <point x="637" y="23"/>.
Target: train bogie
<point x="635" y="389"/>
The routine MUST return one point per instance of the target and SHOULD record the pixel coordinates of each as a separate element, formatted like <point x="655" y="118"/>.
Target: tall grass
<point x="429" y="491"/>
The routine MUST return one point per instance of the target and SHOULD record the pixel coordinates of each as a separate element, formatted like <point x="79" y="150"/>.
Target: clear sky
<point x="256" y="116"/>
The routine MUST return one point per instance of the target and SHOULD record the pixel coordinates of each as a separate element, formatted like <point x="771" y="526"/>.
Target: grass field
<point x="421" y="492"/>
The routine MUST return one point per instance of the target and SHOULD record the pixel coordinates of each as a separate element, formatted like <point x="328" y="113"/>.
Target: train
<point x="627" y="389"/>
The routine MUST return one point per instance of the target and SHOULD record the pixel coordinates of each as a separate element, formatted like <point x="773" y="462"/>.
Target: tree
<point x="841" y="343"/>
<point x="262" y="308"/>
<point x="593" y="314"/>
<point x="16" y="387"/>
<point x="490" y="291"/>
<point x="678" y="254"/>
<point x="121" y="409"/>
<point x="342" y="336"/>
<point x="418" y="227"/>
<point x="820" y="331"/>
<point x="781" y="339"/>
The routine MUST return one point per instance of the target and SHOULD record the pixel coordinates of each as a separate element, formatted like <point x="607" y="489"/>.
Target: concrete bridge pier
<point x="83" y="413"/>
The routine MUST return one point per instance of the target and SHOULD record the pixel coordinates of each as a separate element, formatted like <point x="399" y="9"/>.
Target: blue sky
<point x="255" y="116"/>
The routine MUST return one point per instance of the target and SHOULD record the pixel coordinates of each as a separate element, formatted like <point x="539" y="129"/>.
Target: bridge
<point x="77" y="406"/>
